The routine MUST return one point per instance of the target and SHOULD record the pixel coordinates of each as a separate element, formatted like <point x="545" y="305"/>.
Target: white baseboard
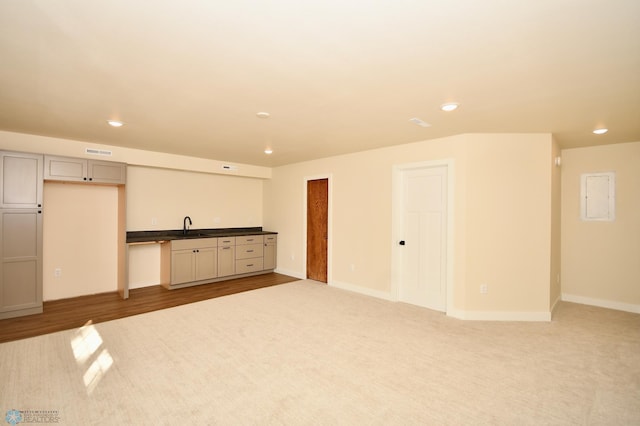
<point x="454" y="313"/>
<point x="295" y="274"/>
<point x="362" y="290"/>
<point x="141" y="284"/>
<point x="602" y="303"/>
<point x="503" y="316"/>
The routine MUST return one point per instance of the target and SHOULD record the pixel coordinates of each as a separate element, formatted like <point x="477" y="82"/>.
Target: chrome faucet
<point x="184" y="225"/>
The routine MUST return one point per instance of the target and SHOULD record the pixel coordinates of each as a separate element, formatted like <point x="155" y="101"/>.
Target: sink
<point x="196" y="235"/>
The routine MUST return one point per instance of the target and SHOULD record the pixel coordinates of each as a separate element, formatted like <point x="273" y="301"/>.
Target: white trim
<point x="385" y="295"/>
<point x="504" y="316"/>
<point x="329" y="177"/>
<point x="396" y="225"/>
<point x="610" y="304"/>
<point x="295" y="274"/>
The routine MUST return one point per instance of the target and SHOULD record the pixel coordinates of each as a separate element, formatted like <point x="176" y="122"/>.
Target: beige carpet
<point x="305" y="353"/>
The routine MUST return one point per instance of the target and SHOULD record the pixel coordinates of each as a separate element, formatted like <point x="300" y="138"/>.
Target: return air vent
<point x="419" y="122"/>
<point x="93" y="151"/>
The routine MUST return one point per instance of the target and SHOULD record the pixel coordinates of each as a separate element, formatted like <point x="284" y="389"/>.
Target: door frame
<point x="306" y="179"/>
<point x="397" y="185"/>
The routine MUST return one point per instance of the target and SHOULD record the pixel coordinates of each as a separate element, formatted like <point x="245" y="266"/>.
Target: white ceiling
<point x="337" y="76"/>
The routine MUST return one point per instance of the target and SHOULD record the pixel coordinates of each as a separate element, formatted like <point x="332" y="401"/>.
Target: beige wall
<point x="80" y="238"/>
<point x="601" y="260"/>
<point x="502" y="216"/>
<point x="167" y="196"/>
<point x="211" y="201"/>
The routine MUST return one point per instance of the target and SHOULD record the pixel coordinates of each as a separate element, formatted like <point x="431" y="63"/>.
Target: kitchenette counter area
<point x="191" y="257"/>
<point x="134" y="237"/>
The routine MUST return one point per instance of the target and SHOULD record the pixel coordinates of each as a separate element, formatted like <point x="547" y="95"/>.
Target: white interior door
<point x="423" y="278"/>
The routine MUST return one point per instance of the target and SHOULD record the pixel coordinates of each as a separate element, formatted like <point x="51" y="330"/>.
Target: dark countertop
<point x="168" y="235"/>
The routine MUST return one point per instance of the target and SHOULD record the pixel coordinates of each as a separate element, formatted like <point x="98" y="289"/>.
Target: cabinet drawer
<point x="249" y="251"/>
<point x="227" y="241"/>
<point x="249" y="239"/>
<point x="245" y="266"/>
<point x="270" y="239"/>
<point x="194" y="243"/>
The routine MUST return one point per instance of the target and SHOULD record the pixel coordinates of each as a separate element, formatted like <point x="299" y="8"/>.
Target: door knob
<point x="401" y="242"/>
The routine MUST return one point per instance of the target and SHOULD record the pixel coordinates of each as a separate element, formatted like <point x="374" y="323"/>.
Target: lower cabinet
<point x="226" y="256"/>
<point x="205" y="260"/>
<point x="20" y="262"/>
<point x="194" y="260"/>
<point x="270" y="242"/>
<point x="249" y="254"/>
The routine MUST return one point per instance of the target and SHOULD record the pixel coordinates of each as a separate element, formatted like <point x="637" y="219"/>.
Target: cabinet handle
<point x="90" y="179"/>
<point x="251" y="264"/>
<point x="84" y="178"/>
<point x="249" y="251"/>
<point x="226" y="248"/>
<point x="249" y="239"/>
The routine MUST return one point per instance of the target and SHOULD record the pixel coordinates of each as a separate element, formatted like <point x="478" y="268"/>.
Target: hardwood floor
<point x="71" y="313"/>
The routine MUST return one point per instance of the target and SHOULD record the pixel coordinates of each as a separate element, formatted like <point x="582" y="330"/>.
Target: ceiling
<point x="188" y="77"/>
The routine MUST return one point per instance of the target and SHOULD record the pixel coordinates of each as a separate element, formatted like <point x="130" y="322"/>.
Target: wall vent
<point x="102" y="152"/>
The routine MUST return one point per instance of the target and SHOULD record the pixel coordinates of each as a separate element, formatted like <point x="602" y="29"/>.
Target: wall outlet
<point x="484" y="289"/>
<point x="216" y="220"/>
<point x="352" y="267"/>
<point x="57" y="273"/>
<point x="154" y="220"/>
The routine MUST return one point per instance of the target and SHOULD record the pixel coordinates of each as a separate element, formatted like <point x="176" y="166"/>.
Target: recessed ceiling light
<point x="115" y="123"/>
<point x="600" y="131"/>
<point x="451" y="106"/>
<point x="268" y="151"/>
<point x="263" y="115"/>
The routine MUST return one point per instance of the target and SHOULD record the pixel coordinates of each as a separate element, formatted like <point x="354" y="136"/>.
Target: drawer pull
<point x="226" y="248"/>
<point x="251" y="264"/>
<point x="249" y="251"/>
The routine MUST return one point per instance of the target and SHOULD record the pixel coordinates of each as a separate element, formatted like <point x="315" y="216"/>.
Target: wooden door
<point x="317" y="229"/>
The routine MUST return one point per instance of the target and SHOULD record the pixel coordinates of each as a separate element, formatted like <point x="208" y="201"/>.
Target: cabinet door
<point x="182" y="266"/>
<point x="107" y="172"/>
<point x="65" y="169"/>
<point x="270" y="256"/>
<point x="21" y="176"/>
<point x="20" y="262"/>
<point x="226" y="261"/>
<point x="206" y="263"/>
